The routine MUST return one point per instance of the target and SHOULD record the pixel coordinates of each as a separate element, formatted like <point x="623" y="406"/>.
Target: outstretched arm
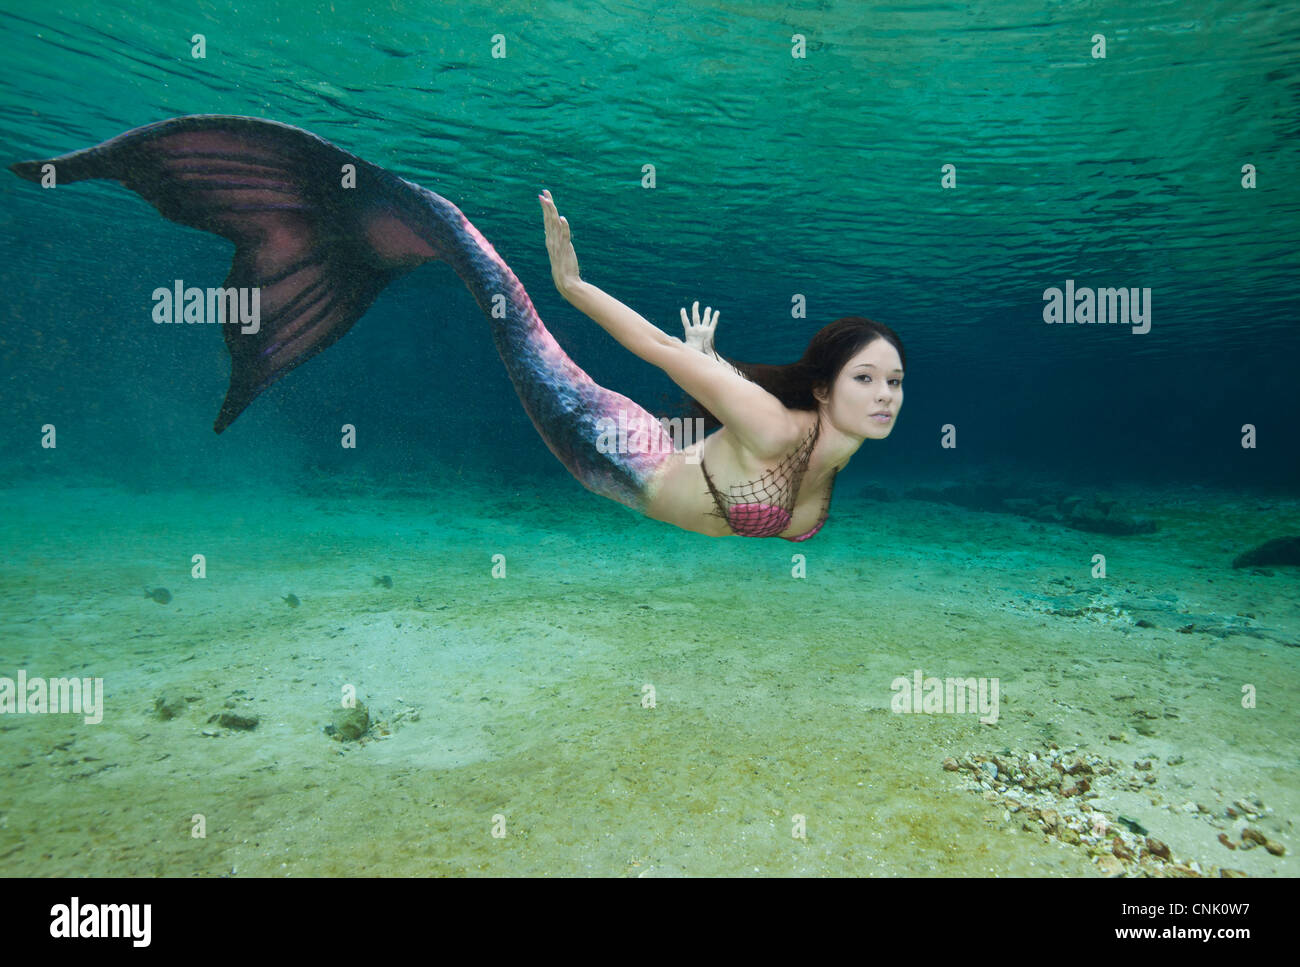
<point x="756" y="416"/>
<point x="634" y="331"/>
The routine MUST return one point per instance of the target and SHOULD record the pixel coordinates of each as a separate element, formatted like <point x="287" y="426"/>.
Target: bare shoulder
<point x="769" y="440"/>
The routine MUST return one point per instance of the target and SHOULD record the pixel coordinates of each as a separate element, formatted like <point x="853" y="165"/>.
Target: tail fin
<point x="319" y="251"/>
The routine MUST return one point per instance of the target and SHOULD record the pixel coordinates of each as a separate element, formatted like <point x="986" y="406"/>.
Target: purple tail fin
<point x="320" y="252"/>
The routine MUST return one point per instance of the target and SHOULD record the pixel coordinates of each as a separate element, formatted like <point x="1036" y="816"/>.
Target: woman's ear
<point x="821" y="393"/>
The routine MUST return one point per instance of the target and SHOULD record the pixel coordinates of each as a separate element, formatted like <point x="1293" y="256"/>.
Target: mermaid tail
<point x="321" y="253"/>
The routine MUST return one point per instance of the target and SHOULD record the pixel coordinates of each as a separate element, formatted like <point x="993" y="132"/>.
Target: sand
<point x="516" y="704"/>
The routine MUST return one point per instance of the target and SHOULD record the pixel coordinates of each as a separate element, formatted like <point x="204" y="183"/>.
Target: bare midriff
<point x="680" y="495"/>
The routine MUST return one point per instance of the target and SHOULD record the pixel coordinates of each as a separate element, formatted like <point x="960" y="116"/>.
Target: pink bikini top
<point x="763" y="507"/>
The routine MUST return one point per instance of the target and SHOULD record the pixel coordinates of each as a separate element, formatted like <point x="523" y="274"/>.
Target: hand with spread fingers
<point x="699" y="332"/>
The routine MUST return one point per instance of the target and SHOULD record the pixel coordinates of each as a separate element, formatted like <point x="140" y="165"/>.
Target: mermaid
<point x="321" y="232"/>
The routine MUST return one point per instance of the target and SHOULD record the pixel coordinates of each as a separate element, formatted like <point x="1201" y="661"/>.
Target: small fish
<point x="386" y="581"/>
<point x="291" y="600"/>
<point x="161" y="595"/>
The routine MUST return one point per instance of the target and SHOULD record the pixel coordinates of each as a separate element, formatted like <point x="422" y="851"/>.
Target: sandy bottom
<point x="517" y="705"/>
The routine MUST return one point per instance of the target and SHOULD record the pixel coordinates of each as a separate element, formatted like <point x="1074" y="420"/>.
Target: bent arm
<point x="751" y="414"/>
<point x="755" y="416"/>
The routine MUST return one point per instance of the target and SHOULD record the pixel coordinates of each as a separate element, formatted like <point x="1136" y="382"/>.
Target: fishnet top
<point x="764" y="507"/>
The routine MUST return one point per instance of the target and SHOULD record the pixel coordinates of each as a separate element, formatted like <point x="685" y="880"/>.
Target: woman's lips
<point x="882" y="417"/>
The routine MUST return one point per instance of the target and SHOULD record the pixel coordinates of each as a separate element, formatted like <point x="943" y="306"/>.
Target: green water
<point x="523" y="694"/>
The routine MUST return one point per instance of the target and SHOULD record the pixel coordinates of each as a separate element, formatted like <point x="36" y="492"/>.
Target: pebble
<point x="1031" y="783"/>
<point x="351" y="723"/>
<point x="169" y="704"/>
<point x="234" y="720"/>
<point x="1110" y="866"/>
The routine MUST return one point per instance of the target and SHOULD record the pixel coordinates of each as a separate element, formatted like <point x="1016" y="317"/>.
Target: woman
<point x="787" y="432"/>
<point x="319" y="233"/>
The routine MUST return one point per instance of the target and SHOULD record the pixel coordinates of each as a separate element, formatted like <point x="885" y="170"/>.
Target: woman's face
<point x="868" y="392"/>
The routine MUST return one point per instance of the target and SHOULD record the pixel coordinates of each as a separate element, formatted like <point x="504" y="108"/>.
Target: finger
<point x="685" y="322"/>
<point x="695" y="313"/>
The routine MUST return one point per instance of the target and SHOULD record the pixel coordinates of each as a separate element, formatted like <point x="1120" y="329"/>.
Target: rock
<point x="1283" y="550"/>
<point x="1050" y="818"/>
<point x="1252" y="835"/>
<point x="1110" y="866"/>
<point x="351" y="724"/>
<point x="169" y="704"/>
<point x="1228" y="874"/>
<point x="950" y="765"/>
<point x="989" y="769"/>
<point x="1076" y="789"/>
<point x="1037" y="775"/>
<point x="1157" y="848"/>
<point x="234" y="720"/>
<point x="1069" y="835"/>
<point x="1223" y="838"/>
<point x="1276" y="848"/>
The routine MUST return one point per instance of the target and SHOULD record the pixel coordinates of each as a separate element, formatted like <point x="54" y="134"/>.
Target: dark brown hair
<point x="827" y="353"/>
